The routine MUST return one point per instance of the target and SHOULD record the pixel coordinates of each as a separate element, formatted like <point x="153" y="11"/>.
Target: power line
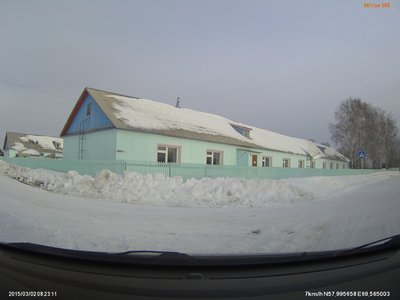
<point x="34" y="89"/>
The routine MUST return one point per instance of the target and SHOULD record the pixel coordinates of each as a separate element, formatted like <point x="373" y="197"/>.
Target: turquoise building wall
<point x="118" y="144"/>
<point x="141" y="146"/>
<point x="98" y="145"/>
<point x="341" y="164"/>
<point x="277" y="158"/>
<point x="242" y="158"/>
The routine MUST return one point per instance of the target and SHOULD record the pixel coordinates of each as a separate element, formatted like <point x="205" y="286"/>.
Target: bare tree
<point x="361" y="126"/>
<point x="391" y="141"/>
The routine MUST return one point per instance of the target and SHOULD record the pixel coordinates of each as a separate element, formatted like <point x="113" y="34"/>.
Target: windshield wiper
<point x="140" y="256"/>
<point x="389" y="242"/>
<point x="144" y="257"/>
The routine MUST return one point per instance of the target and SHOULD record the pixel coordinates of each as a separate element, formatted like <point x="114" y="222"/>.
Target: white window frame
<point x="283" y="162"/>
<point x="324" y="165"/>
<point x="178" y="153"/>
<point x="211" y="155"/>
<point x="331" y="165"/>
<point x="263" y="162"/>
<point x="312" y="164"/>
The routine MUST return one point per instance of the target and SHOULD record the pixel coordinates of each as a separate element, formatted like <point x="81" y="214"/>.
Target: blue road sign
<point x="361" y="154"/>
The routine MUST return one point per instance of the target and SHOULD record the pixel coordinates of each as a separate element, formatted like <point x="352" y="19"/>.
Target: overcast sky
<point x="279" y="65"/>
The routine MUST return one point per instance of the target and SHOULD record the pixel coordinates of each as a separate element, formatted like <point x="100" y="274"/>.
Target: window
<point x="312" y="165"/>
<point x="88" y="109"/>
<point x="324" y="165"/>
<point x="286" y="163"/>
<point x="167" y="154"/>
<point x="242" y="130"/>
<point x="344" y="166"/>
<point x="337" y="166"/>
<point x="331" y="165"/>
<point x="267" y="161"/>
<point x="301" y="164"/>
<point x="214" y="157"/>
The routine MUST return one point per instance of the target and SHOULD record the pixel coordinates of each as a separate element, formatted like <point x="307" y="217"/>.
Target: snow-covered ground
<point x="133" y="212"/>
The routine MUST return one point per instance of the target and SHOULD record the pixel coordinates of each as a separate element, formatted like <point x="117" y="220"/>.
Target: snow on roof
<point x="33" y="144"/>
<point x="18" y="146"/>
<point x="46" y="142"/>
<point x="30" y="152"/>
<point x="148" y="114"/>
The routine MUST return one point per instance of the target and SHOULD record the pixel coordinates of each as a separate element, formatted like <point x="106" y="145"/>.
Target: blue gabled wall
<point x="97" y="118"/>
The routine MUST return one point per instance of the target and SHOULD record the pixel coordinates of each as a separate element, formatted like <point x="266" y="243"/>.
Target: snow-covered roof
<point x="34" y="145"/>
<point x="146" y="115"/>
<point x="30" y="152"/>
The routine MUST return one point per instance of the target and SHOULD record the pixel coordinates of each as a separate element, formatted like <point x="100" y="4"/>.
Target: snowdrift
<point x="159" y="190"/>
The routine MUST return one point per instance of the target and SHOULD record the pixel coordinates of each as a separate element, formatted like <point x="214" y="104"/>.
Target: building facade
<point x="109" y="126"/>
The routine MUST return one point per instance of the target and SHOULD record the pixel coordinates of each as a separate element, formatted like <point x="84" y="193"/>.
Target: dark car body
<point x="36" y="272"/>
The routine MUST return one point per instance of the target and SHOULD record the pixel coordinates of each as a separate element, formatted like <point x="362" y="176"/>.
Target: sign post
<point x="361" y="155"/>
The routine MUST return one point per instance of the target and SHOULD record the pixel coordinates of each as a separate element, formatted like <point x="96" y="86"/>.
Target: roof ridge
<point x="33" y="134"/>
<point x="112" y="93"/>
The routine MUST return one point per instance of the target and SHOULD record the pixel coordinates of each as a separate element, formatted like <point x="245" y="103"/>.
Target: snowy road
<point x="350" y="215"/>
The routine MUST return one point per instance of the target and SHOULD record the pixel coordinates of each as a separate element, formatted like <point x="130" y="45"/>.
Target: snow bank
<point x="158" y="190"/>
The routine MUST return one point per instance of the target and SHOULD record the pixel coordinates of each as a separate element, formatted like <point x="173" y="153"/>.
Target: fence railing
<point x="184" y="170"/>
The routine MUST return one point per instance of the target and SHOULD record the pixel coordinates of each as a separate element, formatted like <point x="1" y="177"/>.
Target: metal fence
<point x="184" y="170"/>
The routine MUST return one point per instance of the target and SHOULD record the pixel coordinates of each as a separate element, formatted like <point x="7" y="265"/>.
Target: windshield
<point x="199" y="127"/>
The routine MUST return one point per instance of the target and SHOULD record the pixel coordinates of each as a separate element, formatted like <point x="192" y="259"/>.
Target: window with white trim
<point x="337" y="165"/>
<point x="312" y="166"/>
<point x="324" y="165"/>
<point x="168" y="154"/>
<point x="214" y="157"/>
<point x="330" y="165"/>
<point x="301" y="163"/>
<point x="267" y="161"/>
<point x="286" y="163"/>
